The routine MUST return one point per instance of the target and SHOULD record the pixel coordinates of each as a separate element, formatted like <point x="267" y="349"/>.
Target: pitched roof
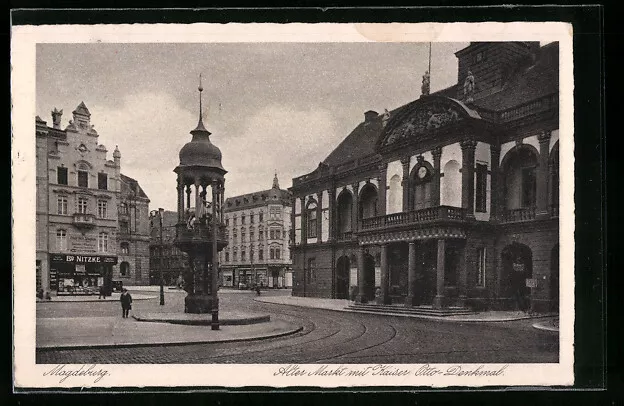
<point x="358" y="144"/>
<point x="82" y="109"/>
<point x="134" y="185"/>
<point x="256" y="199"/>
<point x="527" y="82"/>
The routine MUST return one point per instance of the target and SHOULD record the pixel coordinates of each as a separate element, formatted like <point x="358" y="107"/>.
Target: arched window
<point x="421" y="186"/>
<point x="451" y="184"/>
<point x="345" y="206"/>
<point x="368" y="202"/>
<point x="395" y="195"/>
<point x="520" y="177"/>
<point x="311" y="219"/>
<point x="124" y="269"/>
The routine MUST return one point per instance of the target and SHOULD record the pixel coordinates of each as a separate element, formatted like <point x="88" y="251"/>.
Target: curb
<point x="208" y="322"/>
<point x="94" y="300"/>
<point x="541" y="327"/>
<point x="416" y="316"/>
<point x="140" y="345"/>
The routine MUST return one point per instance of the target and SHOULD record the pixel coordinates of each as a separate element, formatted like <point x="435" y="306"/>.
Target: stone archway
<point x="517" y="264"/>
<point x="343" y="267"/>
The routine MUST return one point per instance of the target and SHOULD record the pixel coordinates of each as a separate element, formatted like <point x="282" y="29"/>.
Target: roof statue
<point x="275" y="182"/>
<point x="469" y="86"/>
<point x="385" y="117"/>
<point x="426" y="84"/>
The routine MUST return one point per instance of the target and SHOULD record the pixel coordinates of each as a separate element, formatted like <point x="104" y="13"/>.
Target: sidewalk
<point x="94" y="298"/>
<point x="341" y="305"/>
<point x="108" y="332"/>
<point x="551" y="325"/>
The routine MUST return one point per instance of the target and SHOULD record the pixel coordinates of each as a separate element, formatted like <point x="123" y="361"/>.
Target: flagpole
<point x="430" y="59"/>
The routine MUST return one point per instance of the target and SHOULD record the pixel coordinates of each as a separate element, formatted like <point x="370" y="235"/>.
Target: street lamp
<point x="160" y="213"/>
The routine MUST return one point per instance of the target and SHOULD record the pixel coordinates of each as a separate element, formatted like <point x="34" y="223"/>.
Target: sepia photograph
<point x="338" y="210"/>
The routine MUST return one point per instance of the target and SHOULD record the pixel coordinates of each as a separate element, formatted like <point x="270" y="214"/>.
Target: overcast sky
<point x="281" y="106"/>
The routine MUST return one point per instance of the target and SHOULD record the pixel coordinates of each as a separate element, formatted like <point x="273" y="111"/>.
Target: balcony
<point x="200" y="235"/>
<point x="422" y="216"/>
<point x="519" y="215"/>
<point x="344" y="236"/>
<point x="84" y="220"/>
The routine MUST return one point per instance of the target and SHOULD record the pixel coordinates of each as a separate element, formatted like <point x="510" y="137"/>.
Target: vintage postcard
<point x="280" y="205"/>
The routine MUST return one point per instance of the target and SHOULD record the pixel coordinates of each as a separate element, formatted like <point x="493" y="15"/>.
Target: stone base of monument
<point x="198" y="303"/>
<point x="226" y="318"/>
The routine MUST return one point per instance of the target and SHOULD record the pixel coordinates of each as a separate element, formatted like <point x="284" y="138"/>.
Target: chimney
<point x="370" y="115"/>
<point x="56" y="118"/>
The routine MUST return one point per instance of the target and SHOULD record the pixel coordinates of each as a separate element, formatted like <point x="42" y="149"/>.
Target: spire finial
<point x="200" y="124"/>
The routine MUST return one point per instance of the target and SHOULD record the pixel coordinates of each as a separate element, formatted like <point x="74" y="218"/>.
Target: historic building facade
<point x="133" y="235"/>
<point x="163" y="254"/>
<point x="258" y="230"/>
<point x="79" y="193"/>
<point x="450" y="200"/>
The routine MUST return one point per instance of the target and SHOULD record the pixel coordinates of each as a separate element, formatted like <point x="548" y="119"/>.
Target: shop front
<point x="81" y="274"/>
<point x="248" y="277"/>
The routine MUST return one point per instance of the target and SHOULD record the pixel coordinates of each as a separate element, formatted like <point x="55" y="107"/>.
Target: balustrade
<point x="428" y="214"/>
<point x="516" y="215"/>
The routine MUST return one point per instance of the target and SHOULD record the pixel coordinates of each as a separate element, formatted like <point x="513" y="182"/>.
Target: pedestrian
<point x="102" y="293"/>
<point x="126" y="302"/>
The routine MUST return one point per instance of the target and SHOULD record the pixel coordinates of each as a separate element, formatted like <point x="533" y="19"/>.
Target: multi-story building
<point x="133" y="234"/>
<point x="77" y="197"/>
<point x="164" y="255"/>
<point x="258" y="229"/>
<point x="451" y="199"/>
<point x="84" y="237"/>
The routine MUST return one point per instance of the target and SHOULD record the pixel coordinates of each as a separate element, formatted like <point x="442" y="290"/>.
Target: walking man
<point x="126" y="303"/>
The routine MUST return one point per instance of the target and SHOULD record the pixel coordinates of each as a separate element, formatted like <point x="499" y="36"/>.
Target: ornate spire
<point x="200" y="125"/>
<point x="275" y="181"/>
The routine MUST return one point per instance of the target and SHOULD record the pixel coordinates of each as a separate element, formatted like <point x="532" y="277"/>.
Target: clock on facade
<point x="422" y="172"/>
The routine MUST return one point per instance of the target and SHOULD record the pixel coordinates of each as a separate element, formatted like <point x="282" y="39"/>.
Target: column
<point x="384" y="299"/>
<point x="180" y="189"/>
<point x="361" y="297"/>
<point x="188" y="197"/>
<point x="468" y="163"/>
<point x="355" y="214"/>
<point x="541" y="195"/>
<point x="383" y="175"/>
<point x="304" y="232"/>
<point x="463" y="275"/>
<point x="319" y="215"/>
<point x="331" y="213"/>
<point x="411" y="276"/>
<point x="438" y="301"/>
<point x="214" y="285"/>
<point x="437" y="154"/>
<point x="495" y="184"/>
<point x="405" y="183"/>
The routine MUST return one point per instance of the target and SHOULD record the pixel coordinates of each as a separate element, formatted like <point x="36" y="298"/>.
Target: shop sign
<point x="531" y="283"/>
<point x="83" y="259"/>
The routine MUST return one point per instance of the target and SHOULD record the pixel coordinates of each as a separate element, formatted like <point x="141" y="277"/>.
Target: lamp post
<point x="160" y="213"/>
